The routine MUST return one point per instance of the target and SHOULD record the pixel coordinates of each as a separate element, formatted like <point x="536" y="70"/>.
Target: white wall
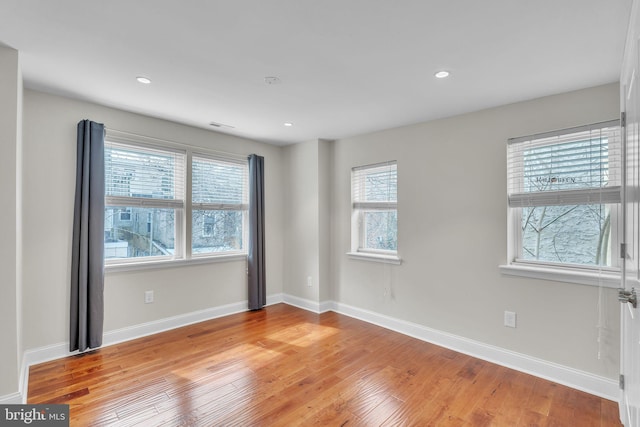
<point x="452" y="235"/>
<point x="10" y="268"/>
<point x="301" y="255"/>
<point x="19" y="253"/>
<point x="308" y="231"/>
<point x="325" y="182"/>
<point x="49" y="173"/>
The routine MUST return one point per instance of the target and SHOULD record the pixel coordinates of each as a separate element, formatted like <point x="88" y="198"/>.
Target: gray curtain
<point x="257" y="283"/>
<point x="87" y="258"/>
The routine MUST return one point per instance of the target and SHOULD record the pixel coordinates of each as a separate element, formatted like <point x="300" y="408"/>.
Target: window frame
<point x="359" y="209"/>
<point x="183" y="208"/>
<point x="242" y="207"/>
<point x="607" y="276"/>
<point x="127" y="212"/>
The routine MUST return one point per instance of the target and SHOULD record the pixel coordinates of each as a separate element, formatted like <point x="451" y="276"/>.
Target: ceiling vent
<point x="221" y="125"/>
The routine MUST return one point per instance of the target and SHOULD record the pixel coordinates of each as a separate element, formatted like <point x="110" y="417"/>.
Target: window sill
<point x="592" y="278"/>
<point x="157" y="264"/>
<point x="386" y="259"/>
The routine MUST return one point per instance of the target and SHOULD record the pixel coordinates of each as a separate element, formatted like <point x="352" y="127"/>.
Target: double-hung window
<point x="564" y="198"/>
<point x="374" y="228"/>
<point x="144" y="202"/>
<point x="220" y="202"/>
<point x="170" y="203"/>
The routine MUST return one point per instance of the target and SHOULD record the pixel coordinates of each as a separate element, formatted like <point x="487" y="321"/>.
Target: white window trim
<point x="592" y="277"/>
<point x="375" y="257"/>
<point x="152" y="264"/>
<point x="183" y="255"/>
<point x="609" y="277"/>
<point x="243" y="207"/>
<point x="358" y="208"/>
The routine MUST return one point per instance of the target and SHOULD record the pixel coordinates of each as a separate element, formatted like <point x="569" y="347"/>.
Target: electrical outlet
<point x="148" y="297"/>
<point x="309" y="281"/>
<point x="510" y="319"/>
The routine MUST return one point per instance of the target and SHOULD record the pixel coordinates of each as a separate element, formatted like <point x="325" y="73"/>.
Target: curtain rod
<point x="600" y="125"/>
<point x="124" y="136"/>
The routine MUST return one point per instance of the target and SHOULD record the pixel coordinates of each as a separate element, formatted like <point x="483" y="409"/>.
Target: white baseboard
<point x="275" y="299"/>
<point x="60" y="350"/>
<point x="116" y="336"/>
<point x="307" y="304"/>
<point x="580" y="380"/>
<point x="23" y="386"/>
<point x="11" y="399"/>
<point x="303" y="303"/>
<point x="144" y="329"/>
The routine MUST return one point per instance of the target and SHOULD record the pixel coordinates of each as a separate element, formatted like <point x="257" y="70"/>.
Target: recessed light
<point x="288" y="124"/>
<point x="143" y="80"/>
<point x="442" y="74"/>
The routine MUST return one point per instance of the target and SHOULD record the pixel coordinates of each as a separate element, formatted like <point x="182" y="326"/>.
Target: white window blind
<point x="375" y="203"/>
<point x="220" y="183"/>
<point x="375" y="186"/>
<point x="574" y="166"/>
<point x="142" y="176"/>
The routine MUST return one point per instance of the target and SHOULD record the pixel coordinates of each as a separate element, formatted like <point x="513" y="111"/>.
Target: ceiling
<point x="345" y="67"/>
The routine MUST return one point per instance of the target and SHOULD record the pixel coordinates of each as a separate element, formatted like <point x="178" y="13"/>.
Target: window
<point x="564" y="198"/>
<point x="146" y="216"/>
<point x="125" y="214"/>
<point x="220" y="202"/>
<point x="374" y="228"/>
<point x="144" y="202"/>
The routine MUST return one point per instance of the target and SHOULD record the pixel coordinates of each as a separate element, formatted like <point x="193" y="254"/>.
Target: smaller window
<point x="374" y="190"/>
<point x="125" y="215"/>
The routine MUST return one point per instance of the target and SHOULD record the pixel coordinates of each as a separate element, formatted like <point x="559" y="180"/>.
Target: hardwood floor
<point x="283" y="366"/>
